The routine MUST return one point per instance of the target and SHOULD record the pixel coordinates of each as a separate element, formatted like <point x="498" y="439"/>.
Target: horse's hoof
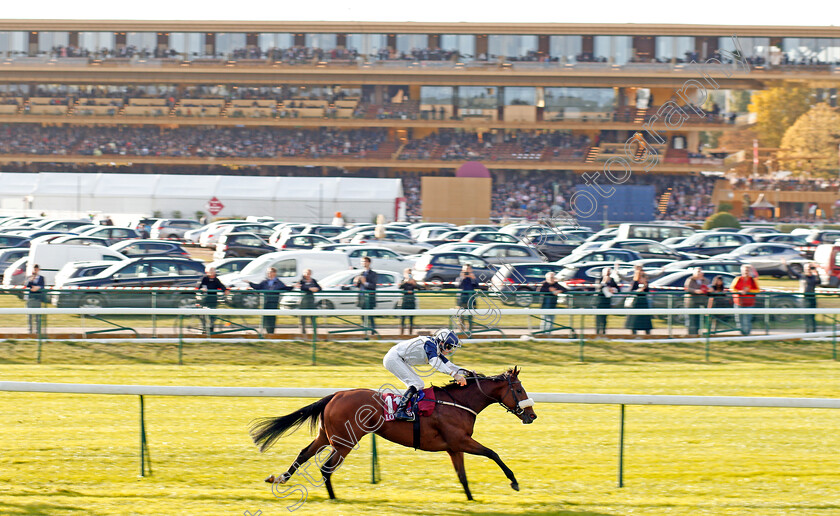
<point x="515" y="486"/>
<point x="270" y="480"/>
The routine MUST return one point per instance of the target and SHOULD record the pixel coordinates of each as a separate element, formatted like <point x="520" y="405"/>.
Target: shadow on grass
<point x="40" y="508"/>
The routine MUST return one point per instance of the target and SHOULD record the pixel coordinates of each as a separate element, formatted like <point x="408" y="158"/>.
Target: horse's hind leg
<point x="458" y="462"/>
<point x="473" y="447"/>
<point x="327" y="470"/>
<point x="305" y="454"/>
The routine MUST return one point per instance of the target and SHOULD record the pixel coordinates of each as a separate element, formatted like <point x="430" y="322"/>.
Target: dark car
<point x="607" y="255"/>
<point x="234" y="245"/>
<point x="648" y="249"/>
<point x="554" y="245"/>
<point x="228" y="265"/>
<point x="325" y="230"/>
<point x="446" y="267"/>
<point x="112" y="234"/>
<point x="13" y="241"/>
<point x="155" y="272"/>
<point x="136" y="248"/>
<point x="301" y="242"/>
<point x="711" y="244"/>
<point x="781" y="238"/>
<point x="516" y="283"/>
<point x="9" y="256"/>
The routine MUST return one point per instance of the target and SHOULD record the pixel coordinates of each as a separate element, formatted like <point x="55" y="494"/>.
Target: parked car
<point x="656" y="232"/>
<point x="211" y="237"/>
<point x="15" y="274"/>
<point x="607" y="255"/>
<point x="479" y="227"/>
<point x="52" y="257"/>
<point x="553" y="245"/>
<point x="446" y="267"/>
<point x="516" y="283"/>
<point x="10" y="255"/>
<point x="135" y="248"/>
<point x="498" y="254"/>
<point x="457" y="247"/>
<point x="238" y="244"/>
<point x="80" y="270"/>
<point x="112" y="234"/>
<point x="13" y="241"/>
<point x="819" y="236"/>
<point x="713" y="265"/>
<point x="381" y="258"/>
<point x="172" y="228"/>
<point x="155" y="272"/>
<point x="768" y="258"/>
<point x="299" y="241"/>
<point x="338" y="291"/>
<point x="80" y="240"/>
<point x="325" y="230"/>
<point x="781" y="238"/>
<point x="604" y="235"/>
<point x="138" y="224"/>
<point x="711" y="244"/>
<point x="648" y="249"/>
<point x="65" y="226"/>
<point x="393" y="240"/>
<point x="488" y="237"/>
<point x="229" y="265"/>
<point x="758" y="230"/>
<point x="664" y="287"/>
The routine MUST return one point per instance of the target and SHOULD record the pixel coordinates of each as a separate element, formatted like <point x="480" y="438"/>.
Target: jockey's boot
<point x="404" y="412"/>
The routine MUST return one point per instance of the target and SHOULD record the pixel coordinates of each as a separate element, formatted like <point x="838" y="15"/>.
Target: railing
<point x="583" y="398"/>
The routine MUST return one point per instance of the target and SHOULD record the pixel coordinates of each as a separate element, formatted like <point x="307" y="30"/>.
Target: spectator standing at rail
<point x="409" y="301"/>
<point x="808" y="284"/>
<point x="308" y="286"/>
<point x="638" y="299"/>
<point x="718" y="299"/>
<point x="606" y="288"/>
<point x="270" y="288"/>
<point x="467" y="284"/>
<point x="35" y="297"/>
<point x="211" y="285"/>
<point x="744" y="289"/>
<point x="695" y="297"/>
<point x="549" y="290"/>
<point x="366" y="281"/>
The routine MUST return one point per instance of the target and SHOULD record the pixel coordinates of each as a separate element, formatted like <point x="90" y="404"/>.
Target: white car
<point x="211" y="237"/>
<point x="380" y="258"/>
<point x="454" y="247"/>
<point x="339" y="292"/>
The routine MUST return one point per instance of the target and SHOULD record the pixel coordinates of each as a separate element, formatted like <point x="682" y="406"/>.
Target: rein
<point x="441" y="402"/>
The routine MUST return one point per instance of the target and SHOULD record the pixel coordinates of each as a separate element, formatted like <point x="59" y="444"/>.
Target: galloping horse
<point x="346" y="416"/>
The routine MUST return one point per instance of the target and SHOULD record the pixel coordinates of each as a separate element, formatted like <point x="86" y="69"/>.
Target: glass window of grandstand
<point x="13" y="43"/>
<point x="756" y="50"/>
<point x="53" y="44"/>
<point x="463" y="44"/>
<point x="565" y="49"/>
<point x="436" y="102"/>
<point x="809" y="51"/>
<point x="368" y="45"/>
<point x="96" y="44"/>
<point x="141" y="43"/>
<point x="513" y="48"/>
<point x="478" y="102"/>
<point x="579" y="103"/>
<point x="412" y="46"/>
<point x="677" y="49"/>
<point x="188" y="44"/>
<point x="273" y="42"/>
<point x="520" y="104"/>
<point x="613" y="49"/>
<point x="321" y="41"/>
<point x="229" y="43"/>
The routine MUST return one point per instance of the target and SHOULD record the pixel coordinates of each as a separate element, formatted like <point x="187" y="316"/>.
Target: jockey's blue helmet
<point x="446" y="340"/>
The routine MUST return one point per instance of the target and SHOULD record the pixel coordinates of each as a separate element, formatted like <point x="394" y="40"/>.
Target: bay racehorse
<point x="346" y="416"/>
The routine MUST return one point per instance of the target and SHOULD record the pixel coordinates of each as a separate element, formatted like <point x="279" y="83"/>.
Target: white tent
<point x="305" y="199"/>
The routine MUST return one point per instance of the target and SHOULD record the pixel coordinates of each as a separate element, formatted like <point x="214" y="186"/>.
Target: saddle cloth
<point x="425" y="403"/>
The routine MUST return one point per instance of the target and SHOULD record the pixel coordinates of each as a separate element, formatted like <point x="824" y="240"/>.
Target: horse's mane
<point x="452" y="385"/>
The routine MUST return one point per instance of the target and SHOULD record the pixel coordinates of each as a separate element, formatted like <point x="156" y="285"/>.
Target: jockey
<point x="419" y="351"/>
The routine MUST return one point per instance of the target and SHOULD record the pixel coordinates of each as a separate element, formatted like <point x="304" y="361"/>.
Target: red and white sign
<point x="214" y="206"/>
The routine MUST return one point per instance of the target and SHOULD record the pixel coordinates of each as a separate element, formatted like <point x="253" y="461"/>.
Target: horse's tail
<point x="265" y="431"/>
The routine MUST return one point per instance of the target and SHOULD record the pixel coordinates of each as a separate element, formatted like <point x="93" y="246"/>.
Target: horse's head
<point x="511" y="394"/>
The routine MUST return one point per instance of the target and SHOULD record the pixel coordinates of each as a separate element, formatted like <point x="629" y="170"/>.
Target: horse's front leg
<point x="458" y="462"/>
<point x="473" y="447"/>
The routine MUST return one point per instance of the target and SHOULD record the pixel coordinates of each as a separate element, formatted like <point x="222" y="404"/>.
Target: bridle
<point x="521" y="405"/>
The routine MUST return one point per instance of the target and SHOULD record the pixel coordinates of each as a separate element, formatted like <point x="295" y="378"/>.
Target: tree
<point x="811" y="143"/>
<point x="722" y="219"/>
<point x="777" y="109"/>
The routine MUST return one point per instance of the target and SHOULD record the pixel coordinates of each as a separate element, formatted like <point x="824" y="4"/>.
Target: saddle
<point x="424" y="403"/>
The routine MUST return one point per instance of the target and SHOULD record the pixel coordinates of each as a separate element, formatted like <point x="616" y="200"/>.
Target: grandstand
<point x="375" y="99"/>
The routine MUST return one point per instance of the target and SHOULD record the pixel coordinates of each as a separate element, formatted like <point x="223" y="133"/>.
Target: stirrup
<point x="404" y="415"/>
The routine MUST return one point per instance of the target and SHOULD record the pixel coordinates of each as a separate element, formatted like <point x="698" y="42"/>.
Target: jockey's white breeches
<point x="394" y="363"/>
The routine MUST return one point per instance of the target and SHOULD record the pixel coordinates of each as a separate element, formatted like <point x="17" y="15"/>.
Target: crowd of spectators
<point x="818" y="185"/>
<point x="189" y="141"/>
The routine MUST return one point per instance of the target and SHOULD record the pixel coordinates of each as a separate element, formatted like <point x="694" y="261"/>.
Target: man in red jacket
<point x="744" y="289"/>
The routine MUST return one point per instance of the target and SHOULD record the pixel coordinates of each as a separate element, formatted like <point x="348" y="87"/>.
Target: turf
<point x="78" y="454"/>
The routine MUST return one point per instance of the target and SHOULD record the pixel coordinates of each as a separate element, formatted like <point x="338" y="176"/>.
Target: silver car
<point x="508" y="253"/>
<point x="338" y="291"/>
<point x="172" y="228"/>
<point x="769" y="259"/>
